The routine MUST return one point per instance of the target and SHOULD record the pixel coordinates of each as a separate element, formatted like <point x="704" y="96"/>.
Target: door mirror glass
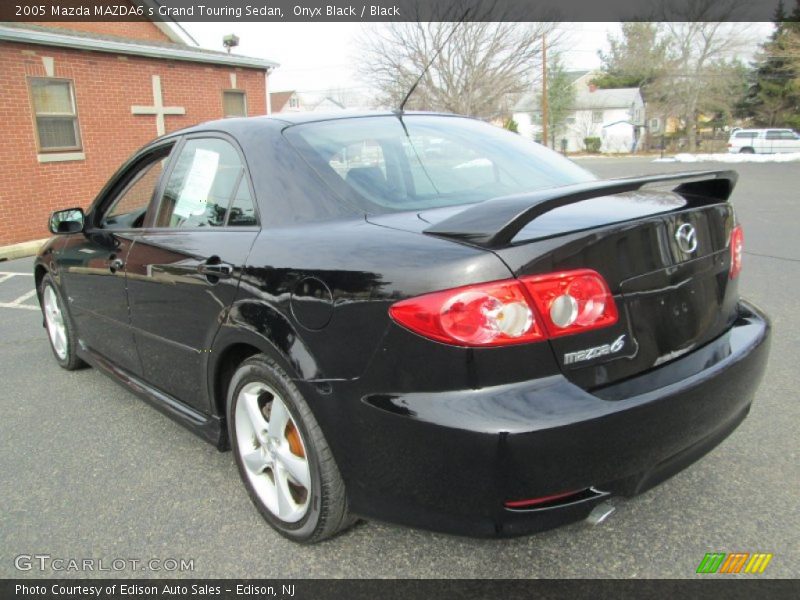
<point x="67" y="221"/>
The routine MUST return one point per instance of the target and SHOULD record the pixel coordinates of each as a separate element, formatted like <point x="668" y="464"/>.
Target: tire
<point x="270" y="450"/>
<point x="747" y="150"/>
<point x="60" y="330"/>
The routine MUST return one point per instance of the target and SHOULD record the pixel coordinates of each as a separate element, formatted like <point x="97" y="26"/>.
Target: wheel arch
<point x="228" y="359"/>
<point x="39" y="272"/>
<point x="232" y="346"/>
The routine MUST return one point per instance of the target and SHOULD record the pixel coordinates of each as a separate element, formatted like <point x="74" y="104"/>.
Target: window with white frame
<point x="294" y="102"/>
<point x="597" y="116"/>
<point x="55" y="114"/>
<point x="234" y="103"/>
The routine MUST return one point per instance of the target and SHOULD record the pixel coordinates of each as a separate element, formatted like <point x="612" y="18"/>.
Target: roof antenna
<point x="430" y="62"/>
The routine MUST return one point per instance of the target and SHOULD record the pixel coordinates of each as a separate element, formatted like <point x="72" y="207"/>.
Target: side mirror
<point x="67" y="221"/>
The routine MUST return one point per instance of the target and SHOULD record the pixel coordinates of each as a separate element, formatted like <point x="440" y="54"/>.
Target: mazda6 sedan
<point x="412" y="317"/>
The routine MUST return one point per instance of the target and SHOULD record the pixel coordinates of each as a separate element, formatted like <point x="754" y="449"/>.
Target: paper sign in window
<point x="197" y="185"/>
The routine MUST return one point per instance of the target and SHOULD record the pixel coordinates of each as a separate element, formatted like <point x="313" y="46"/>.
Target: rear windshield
<point x="386" y="164"/>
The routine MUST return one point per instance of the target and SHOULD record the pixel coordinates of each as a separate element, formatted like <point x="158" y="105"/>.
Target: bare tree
<point x="347" y="97"/>
<point x="701" y="69"/>
<point x="479" y="67"/>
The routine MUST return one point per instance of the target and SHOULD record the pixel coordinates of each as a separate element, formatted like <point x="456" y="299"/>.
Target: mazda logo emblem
<point x="686" y="236"/>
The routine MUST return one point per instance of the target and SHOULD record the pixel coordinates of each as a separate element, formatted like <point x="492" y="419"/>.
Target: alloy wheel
<point x="273" y="452"/>
<point x="55" y="322"/>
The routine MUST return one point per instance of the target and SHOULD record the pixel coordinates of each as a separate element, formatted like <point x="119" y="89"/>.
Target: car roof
<point x="281" y="120"/>
<point x="761" y="129"/>
<point x="310" y="117"/>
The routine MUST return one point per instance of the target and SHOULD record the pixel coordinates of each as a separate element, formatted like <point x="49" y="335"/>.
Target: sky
<point x="318" y="57"/>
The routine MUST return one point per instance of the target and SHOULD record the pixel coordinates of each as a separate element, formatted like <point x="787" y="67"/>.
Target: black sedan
<point x="412" y="317"/>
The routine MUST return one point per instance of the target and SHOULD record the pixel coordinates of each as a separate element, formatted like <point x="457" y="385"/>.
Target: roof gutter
<point x="60" y="40"/>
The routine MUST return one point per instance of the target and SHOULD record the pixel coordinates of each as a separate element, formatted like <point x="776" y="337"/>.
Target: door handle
<point x="115" y="264"/>
<point x="218" y="270"/>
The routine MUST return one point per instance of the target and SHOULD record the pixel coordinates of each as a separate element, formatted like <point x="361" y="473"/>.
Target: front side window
<point x="385" y="164"/>
<point x="127" y="210"/>
<point x="55" y="114"/>
<point x="207" y="177"/>
<point x="234" y="103"/>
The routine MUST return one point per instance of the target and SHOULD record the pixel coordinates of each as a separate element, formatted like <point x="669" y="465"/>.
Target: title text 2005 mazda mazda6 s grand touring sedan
<point x="412" y="317"/>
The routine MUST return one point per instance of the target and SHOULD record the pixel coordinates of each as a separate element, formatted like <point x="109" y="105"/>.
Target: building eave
<point x="169" y="26"/>
<point x="188" y="54"/>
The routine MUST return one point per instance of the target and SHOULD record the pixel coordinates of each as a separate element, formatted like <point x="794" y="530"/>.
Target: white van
<point x="763" y="141"/>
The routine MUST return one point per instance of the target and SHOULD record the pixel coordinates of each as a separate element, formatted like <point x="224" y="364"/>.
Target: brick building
<point x="76" y="99"/>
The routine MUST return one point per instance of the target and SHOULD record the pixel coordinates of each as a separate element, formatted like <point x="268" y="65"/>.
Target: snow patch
<point x="733" y="158"/>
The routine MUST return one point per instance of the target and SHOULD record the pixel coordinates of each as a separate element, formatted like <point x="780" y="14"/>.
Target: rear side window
<point x="207" y="182"/>
<point x="781" y="135"/>
<point x="746" y="134"/>
<point x="242" y="212"/>
<point x="386" y="164"/>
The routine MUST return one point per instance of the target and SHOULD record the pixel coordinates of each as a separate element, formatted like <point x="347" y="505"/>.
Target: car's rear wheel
<point x="282" y="456"/>
<point x="747" y="150"/>
<point x="60" y="332"/>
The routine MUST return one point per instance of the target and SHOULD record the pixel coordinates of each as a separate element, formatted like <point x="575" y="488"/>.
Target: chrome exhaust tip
<point x="600" y="513"/>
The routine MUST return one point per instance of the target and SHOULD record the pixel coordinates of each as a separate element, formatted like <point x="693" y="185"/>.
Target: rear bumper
<point x="449" y="461"/>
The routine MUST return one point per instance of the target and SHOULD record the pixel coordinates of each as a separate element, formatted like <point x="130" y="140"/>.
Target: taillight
<point x="488" y="314"/>
<point x="512" y="311"/>
<point x="737" y="248"/>
<point x="572" y="301"/>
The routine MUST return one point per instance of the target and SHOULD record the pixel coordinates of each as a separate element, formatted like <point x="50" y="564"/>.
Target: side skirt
<point x="209" y="427"/>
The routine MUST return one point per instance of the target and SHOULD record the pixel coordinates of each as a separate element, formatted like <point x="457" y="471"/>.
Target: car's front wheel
<point x="282" y="456"/>
<point x="60" y="332"/>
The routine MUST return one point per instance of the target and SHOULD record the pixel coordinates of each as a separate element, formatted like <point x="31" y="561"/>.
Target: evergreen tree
<point x="560" y="98"/>
<point x="637" y="59"/>
<point x="773" y="99"/>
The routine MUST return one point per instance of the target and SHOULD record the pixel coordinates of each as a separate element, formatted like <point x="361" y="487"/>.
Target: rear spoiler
<point x="495" y="222"/>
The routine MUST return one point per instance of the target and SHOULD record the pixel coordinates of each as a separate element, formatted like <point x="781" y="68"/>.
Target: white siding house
<point x="616" y="116"/>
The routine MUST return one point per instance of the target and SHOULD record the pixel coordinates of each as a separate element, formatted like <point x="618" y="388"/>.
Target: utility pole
<point x="544" y="90"/>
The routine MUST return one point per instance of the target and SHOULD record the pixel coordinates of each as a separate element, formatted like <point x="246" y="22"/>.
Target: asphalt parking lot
<point x="89" y="471"/>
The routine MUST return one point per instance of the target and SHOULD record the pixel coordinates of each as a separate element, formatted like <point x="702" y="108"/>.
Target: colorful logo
<point x="735" y="562"/>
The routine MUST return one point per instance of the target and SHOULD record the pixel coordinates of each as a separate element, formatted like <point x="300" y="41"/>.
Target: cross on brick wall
<point x="158" y="109"/>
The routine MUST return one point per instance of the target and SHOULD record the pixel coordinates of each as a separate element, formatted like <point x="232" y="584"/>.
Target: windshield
<point x="386" y="164"/>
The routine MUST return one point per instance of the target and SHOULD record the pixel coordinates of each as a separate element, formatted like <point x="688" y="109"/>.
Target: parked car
<point x="486" y="351"/>
<point x="763" y="141"/>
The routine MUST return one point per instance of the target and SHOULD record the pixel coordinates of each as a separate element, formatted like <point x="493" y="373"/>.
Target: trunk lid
<point x="671" y="298"/>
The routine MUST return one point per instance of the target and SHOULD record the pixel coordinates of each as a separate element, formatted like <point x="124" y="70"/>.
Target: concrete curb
<point x="20" y="250"/>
